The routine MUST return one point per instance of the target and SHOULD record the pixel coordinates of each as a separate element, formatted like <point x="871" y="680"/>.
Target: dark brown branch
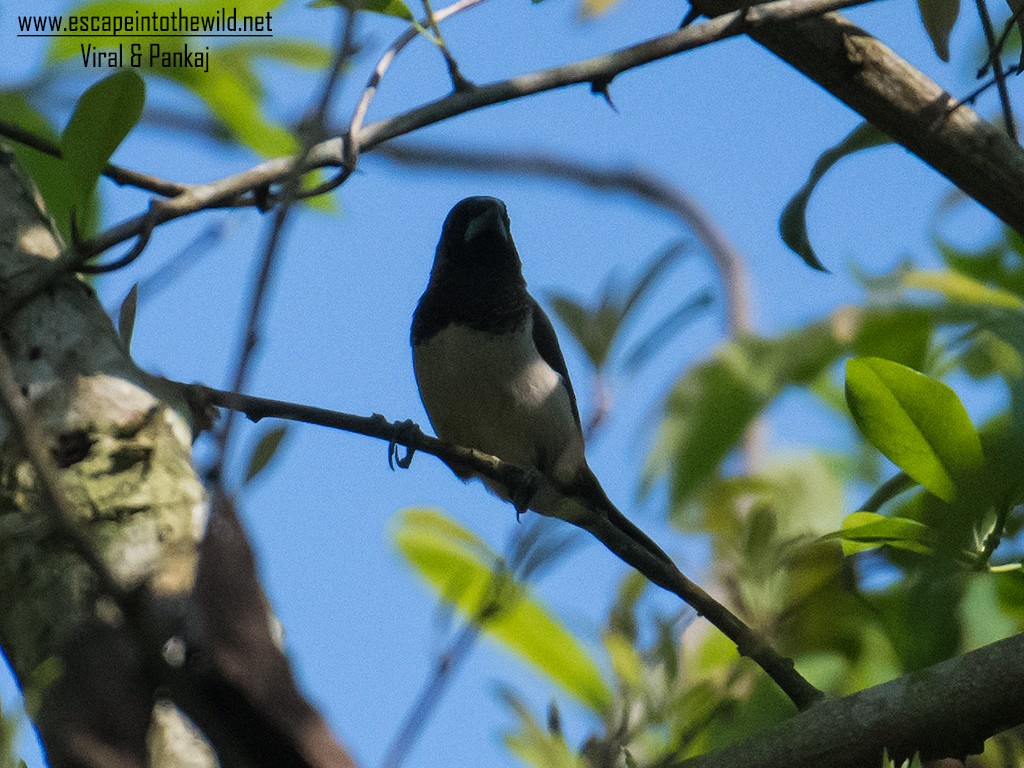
<point x="946" y="710"/>
<point x="748" y="642"/>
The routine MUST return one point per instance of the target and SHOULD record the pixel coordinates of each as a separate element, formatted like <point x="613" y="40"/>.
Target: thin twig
<point x="971" y="97"/>
<point x="996" y="50"/>
<point x="330" y="153"/>
<point x="122" y="176"/>
<point x="459" y="83"/>
<point x="660" y="571"/>
<point x="997" y="69"/>
<point x="383" y="64"/>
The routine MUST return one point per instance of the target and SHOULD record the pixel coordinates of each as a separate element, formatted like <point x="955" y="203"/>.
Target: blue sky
<point x="730" y="124"/>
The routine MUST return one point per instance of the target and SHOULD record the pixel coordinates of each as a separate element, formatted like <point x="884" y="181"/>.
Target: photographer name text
<point x="149" y="55"/>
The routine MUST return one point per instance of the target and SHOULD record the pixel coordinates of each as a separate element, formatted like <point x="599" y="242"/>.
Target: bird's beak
<point x="490" y="218"/>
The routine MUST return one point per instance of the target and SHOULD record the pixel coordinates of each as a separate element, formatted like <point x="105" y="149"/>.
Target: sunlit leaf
<point x="592" y="8"/>
<point x="534" y="744"/>
<point x="956" y="286"/>
<point x="102" y="118"/>
<point x="455" y="564"/>
<point x="939" y="16"/>
<point x="917" y="422"/>
<point x="868" y="530"/>
<point x="626" y="661"/>
<point x="395" y="8"/>
<point x="793" y="222"/>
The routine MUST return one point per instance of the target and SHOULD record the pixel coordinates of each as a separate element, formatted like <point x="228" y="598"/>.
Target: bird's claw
<point x="524" y="490"/>
<point x="402" y="434"/>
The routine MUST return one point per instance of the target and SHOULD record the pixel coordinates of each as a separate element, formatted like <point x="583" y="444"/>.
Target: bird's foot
<point x="403" y="434"/>
<point x="524" y="489"/>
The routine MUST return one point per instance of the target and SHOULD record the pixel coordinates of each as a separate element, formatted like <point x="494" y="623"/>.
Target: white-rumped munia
<point x="490" y="371"/>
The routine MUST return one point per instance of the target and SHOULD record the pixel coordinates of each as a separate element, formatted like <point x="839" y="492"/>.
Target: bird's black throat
<point x="481" y="300"/>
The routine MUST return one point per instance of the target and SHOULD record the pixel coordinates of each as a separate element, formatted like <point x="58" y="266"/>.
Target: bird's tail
<point x="589" y="489"/>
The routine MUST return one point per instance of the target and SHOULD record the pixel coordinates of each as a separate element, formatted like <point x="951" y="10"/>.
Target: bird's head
<point x="476" y="237"/>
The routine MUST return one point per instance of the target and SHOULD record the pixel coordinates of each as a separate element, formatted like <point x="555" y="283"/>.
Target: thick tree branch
<point x="947" y="709"/>
<point x="869" y="77"/>
<point x="748" y="642"/>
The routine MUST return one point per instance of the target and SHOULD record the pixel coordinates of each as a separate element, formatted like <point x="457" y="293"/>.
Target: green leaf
<point x="1015" y="7"/>
<point x="711" y="406"/>
<point x="963" y="289"/>
<point x="939" y="16"/>
<point x="48" y="172"/>
<point x="395" y="8"/>
<point x="594" y="330"/>
<point x="899" y="333"/>
<point x="265" y="450"/>
<point x="102" y="118"/>
<point x="126" y="317"/>
<point x="793" y="222"/>
<point x="921" y="613"/>
<point x="868" y="530"/>
<point x="461" y="570"/>
<point x="231" y="99"/>
<point x="917" y="422"/>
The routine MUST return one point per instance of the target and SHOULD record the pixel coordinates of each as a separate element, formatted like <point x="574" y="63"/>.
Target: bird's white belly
<point x="496" y="393"/>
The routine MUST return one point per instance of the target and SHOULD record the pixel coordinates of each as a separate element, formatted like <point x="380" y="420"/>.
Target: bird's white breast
<point x="496" y="393"/>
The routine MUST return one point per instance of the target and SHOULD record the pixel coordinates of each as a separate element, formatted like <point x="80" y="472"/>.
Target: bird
<point x="492" y="376"/>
